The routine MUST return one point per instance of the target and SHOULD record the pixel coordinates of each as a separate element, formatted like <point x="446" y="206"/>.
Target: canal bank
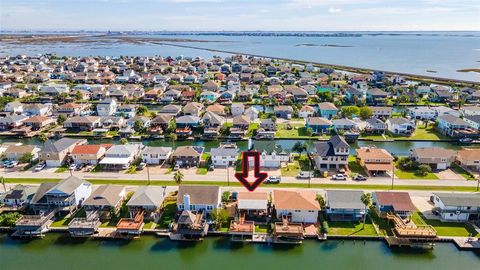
<point x="56" y="251"/>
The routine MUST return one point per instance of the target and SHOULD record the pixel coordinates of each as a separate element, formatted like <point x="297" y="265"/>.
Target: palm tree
<point x="2" y="180"/>
<point x="367" y="201"/>
<point x="321" y="201"/>
<point x="173" y="138"/>
<point x="178" y="177"/>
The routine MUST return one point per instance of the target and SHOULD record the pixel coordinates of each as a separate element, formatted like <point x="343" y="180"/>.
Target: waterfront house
<point x="375" y="161"/>
<point x="203" y="199"/>
<point x="187" y="156"/>
<point x="376" y="96"/>
<point x="12" y="121"/>
<point x="17" y="152"/>
<point x="156" y="155"/>
<point x="112" y="122"/>
<point x="319" y="125"/>
<point x="170" y="96"/>
<point x="211" y="119"/>
<point x="469" y="158"/>
<point x="306" y="111"/>
<point x="381" y="112"/>
<point x="440" y="95"/>
<point x="331" y="154"/>
<point x="353" y="95"/>
<point x="126" y="110"/>
<point x="327" y="110"/>
<point x="65" y="196"/>
<point x="225" y="155"/>
<point x="38" y="122"/>
<point x="375" y="126"/>
<point x="89" y="154"/>
<point x="193" y="108"/>
<point x="386" y="202"/>
<point x="106" y="200"/>
<point x="473" y="121"/>
<point x="400" y="125"/>
<point x="217" y="109"/>
<point x="241" y="122"/>
<point x="442" y="110"/>
<point x="107" y="107"/>
<point x="251" y="113"/>
<point x="37" y="109"/>
<point x="285" y="112"/>
<point x="237" y="109"/>
<point x="457" y="207"/>
<point x="253" y="205"/>
<point x="13" y="107"/>
<point x="17" y="197"/>
<point x="56" y="153"/>
<point x="147" y="199"/>
<point x="120" y="157"/>
<point x="268" y="125"/>
<point x="82" y="123"/>
<point x="161" y="122"/>
<point x="452" y="126"/>
<point x="344" y="205"/>
<point x="422" y="113"/>
<point x="296" y="206"/>
<point x="272" y="155"/>
<point x="437" y="158"/>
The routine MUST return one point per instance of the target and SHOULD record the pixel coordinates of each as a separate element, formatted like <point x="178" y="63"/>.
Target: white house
<point x="423" y="113"/>
<point x="107" y="107"/>
<point x="400" y="125"/>
<point x="120" y="156"/>
<point x="199" y="198"/>
<point x="224" y="156"/>
<point x="237" y="109"/>
<point x="13" y="107"/>
<point x="306" y="111"/>
<point x="297" y="206"/>
<point x="156" y="155"/>
<point x="457" y="206"/>
<point x="271" y="154"/>
<point x="470" y="110"/>
<point x="251" y="113"/>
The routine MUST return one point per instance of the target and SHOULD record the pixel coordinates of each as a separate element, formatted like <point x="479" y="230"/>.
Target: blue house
<point x="319" y="124"/>
<point x="353" y="94"/>
<point x="188" y="121"/>
<point x="208" y="96"/>
<point x="327" y="109"/>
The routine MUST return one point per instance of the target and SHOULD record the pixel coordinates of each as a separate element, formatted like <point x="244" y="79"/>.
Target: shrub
<point x="423" y="170"/>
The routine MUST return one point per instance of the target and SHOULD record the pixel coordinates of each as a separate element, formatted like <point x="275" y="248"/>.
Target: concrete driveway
<point x="448" y="174"/>
<point x="424" y="205"/>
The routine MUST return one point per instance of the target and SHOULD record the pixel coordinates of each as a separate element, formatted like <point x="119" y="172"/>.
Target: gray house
<point x="344" y="205"/>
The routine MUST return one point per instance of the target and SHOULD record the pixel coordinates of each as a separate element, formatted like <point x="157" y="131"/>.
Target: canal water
<point x="399" y="148"/>
<point x="57" y="251"/>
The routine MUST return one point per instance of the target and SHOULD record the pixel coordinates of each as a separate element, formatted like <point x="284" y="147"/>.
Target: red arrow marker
<point x="242" y="177"/>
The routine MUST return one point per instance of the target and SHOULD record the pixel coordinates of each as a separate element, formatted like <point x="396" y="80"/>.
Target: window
<point x="209" y="207"/>
<point x="297" y="211"/>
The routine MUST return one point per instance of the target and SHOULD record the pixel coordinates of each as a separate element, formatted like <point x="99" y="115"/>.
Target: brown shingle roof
<point x="400" y="201"/>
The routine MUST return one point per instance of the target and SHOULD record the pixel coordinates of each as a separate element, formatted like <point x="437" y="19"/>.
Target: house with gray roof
<point x="272" y="155"/>
<point x="149" y="199"/>
<point x="344" y="205"/>
<point x="458" y="207"/>
<point x="400" y="125"/>
<point x="438" y="158"/>
<point x="224" y="155"/>
<point x="55" y="153"/>
<point x="187" y="156"/>
<point x="18" y="196"/>
<point x="156" y="155"/>
<point x="105" y="200"/>
<point x="65" y="196"/>
<point x="332" y="154"/>
<point x="198" y="198"/>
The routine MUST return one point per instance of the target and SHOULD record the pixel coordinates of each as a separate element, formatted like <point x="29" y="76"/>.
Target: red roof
<point x="87" y="149"/>
<point x="400" y="201"/>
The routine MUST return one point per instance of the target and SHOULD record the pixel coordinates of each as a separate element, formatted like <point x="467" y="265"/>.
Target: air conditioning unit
<point x="457" y="213"/>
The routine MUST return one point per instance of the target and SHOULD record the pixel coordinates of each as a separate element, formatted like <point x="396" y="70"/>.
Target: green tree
<point x="61" y="119"/>
<point x="365" y="113"/>
<point x="26" y="158"/>
<point x="9" y="219"/>
<point x="78" y="95"/>
<point x="42" y="137"/>
<point x="138" y="126"/>
<point x="225" y="196"/>
<point x="178" y="177"/>
<point x="309" y="132"/>
<point x="423" y="170"/>
<point x="224" y="130"/>
<point x="367" y="201"/>
<point x="142" y="110"/>
<point x="350" y="111"/>
<point x="172" y="125"/>
<point x="220" y="216"/>
<point x="173" y="139"/>
<point x="321" y="201"/>
<point x="123" y="141"/>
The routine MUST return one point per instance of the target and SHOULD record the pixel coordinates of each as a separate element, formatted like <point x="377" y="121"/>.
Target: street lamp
<point x="478" y="180"/>
<point x="228" y="173"/>
<point x="393" y="173"/>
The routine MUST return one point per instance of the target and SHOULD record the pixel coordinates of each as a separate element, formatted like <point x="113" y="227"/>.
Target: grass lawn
<point x="445" y="228"/>
<point x="298" y="131"/>
<point x="403" y="174"/>
<point x="261" y="228"/>
<point x="236" y="184"/>
<point x="62" y="169"/>
<point x="351" y="228"/>
<point x="384" y="227"/>
<point x="298" y="164"/>
<point x="61" y="222"/>
<point x="354" y="167"/>
<point x="429" y="133"/>
<point x="202" y="171"/>
<point x="461" y="171"/>
<point x="169" y="210"/>
<point x="149" y="225"/>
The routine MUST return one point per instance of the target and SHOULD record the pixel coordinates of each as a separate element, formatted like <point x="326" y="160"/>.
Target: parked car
<point x="339" y="177"/>
<point x="125" y="166"/>
<point x="176" y="167"/>
<point x="80" y="166"/>
<point x="141" y="166"/>
<point x="12" y="164"/>
<point x="72" y="167"/>
<point x="40" y="166"/>
<point x="273" y="180"/>
<point x="359" y="177"/>
<point x="305" y="175"/>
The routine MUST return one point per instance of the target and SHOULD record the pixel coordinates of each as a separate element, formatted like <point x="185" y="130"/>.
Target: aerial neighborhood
<point x="85" y="120"/>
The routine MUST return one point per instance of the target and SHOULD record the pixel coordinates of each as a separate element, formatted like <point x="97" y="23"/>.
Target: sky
<point x="237" y="15"/>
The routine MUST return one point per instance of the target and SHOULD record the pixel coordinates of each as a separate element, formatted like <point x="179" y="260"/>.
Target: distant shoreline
<point x="322" y="45"/>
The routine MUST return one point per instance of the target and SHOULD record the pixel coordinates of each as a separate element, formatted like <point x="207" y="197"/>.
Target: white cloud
<point x="334" y="10"/>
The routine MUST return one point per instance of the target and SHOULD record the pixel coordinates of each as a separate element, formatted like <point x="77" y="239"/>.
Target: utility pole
<point x="148" y="172"/>
<point x="2" y="179"/>
<point x="393" y="173"/>
<point x="228" y="173"/>
<point x="478" y="180"/>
